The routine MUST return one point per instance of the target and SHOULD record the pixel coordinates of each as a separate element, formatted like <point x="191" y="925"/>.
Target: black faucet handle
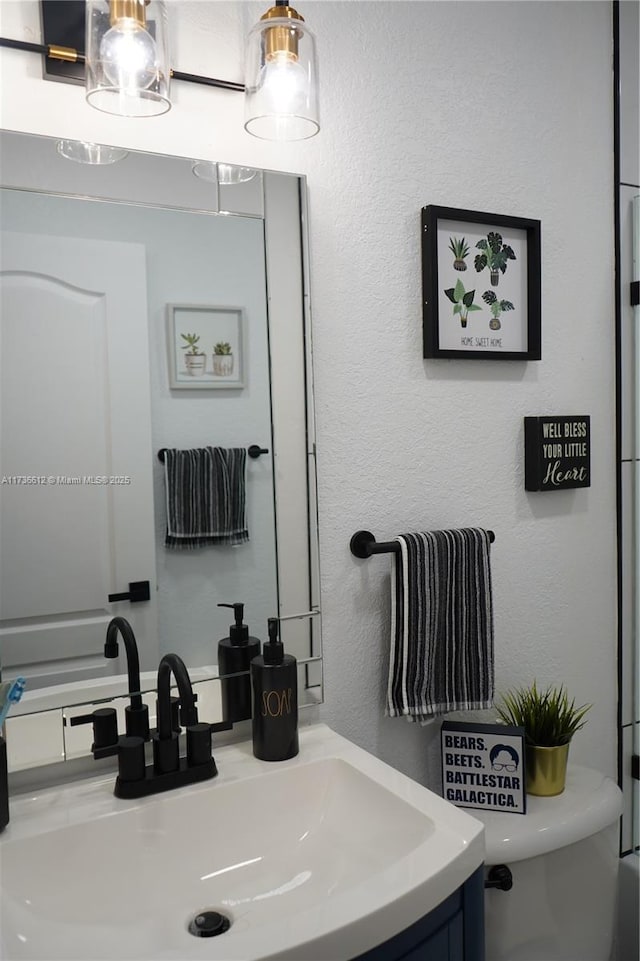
<point x="131" y="759"/>
<point x="105" y="728"/>
<point x="137" y="721"/>
<point x="198" y="744"/>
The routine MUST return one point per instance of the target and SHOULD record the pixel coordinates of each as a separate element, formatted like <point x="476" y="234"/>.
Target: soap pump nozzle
<point x="238" y="632"/>
<point x="273" y="650"/>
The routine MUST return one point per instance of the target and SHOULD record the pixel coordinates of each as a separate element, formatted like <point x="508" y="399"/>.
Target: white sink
<point x="322" y="857"/>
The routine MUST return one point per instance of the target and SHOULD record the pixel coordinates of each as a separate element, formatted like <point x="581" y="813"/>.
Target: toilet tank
<point x="563" y="857"/>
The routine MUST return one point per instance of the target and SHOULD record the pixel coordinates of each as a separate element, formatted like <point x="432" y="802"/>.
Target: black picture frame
<point x="512" y="260"/>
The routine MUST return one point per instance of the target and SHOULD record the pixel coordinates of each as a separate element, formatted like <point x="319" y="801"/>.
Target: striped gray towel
<point x="205" y="492"/>
<point x="441" y="625"/>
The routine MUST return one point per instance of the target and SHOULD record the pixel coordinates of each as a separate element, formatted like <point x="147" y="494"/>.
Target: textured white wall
<point x="494" y="106"/>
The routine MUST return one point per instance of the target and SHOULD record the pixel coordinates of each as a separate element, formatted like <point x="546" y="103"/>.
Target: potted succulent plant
<point x="496" y="307"/>
<point x="194" y="360"/>
<point x="549" y="720"/>
<point x="463" y="300"/>
<point x="460" y="249"/>
<point x="222" y="359"/>
<point x="495" y="255"/>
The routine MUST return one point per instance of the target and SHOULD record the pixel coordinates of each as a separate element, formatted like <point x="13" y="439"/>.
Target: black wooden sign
<point x="557" y="453"/>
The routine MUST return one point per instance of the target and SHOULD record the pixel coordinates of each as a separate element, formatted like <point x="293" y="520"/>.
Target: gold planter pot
<point x="546" y="769"/>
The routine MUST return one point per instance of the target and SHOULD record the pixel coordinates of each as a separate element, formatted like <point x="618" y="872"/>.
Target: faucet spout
<point x="137" y="714"/>
<point x="166" y="756"/>
<point x="172" y="664"/>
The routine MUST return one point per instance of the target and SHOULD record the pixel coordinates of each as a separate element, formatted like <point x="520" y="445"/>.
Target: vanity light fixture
<point x="127" y="57"/>
<point x="126" y="65"/>
<point x="83" y="152"/>
<point x="281" y="87"/>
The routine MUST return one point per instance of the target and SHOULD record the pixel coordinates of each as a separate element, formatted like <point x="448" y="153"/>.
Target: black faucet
<point x="168" y="770"/>
<point x="104" y="720"/>
<point x="137" y="714"/>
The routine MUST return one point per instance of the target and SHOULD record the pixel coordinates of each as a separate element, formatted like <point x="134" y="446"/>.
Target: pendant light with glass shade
<point x="127" y="57"/>
<point x="126" y="68"/>
<point x="281" y="87"/>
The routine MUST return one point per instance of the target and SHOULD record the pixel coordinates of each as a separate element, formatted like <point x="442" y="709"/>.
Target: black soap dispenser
<point x="235" y="654"/>
<point x="274" y="679"/>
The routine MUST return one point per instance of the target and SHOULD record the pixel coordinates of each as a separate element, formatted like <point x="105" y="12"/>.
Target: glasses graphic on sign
<point x="503" y="757"/>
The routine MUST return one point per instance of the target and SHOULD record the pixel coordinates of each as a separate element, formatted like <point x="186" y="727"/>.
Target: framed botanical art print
<point x="480" y="285"/>
<point x="205" y="347"/>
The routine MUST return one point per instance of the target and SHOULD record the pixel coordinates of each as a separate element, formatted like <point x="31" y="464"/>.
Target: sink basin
<point x="323" y="857"/>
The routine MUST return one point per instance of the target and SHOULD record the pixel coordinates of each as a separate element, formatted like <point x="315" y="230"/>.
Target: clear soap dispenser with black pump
<point x="274" y="679"/>
<point x="235" y="654"/>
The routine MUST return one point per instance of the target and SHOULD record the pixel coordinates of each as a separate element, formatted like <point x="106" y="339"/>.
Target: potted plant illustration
<point x="495" y="255"/>
<point x="496" y="307"/>
<point x="460" y="249"/>
<point x="549" y="720"/>
<point x="463" y="301"/>
<point x="222" y="359"/>
<point x="194" y="360"/>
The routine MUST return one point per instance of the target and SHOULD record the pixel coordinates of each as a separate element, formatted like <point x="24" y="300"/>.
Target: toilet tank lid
<point x="589" y="803"/>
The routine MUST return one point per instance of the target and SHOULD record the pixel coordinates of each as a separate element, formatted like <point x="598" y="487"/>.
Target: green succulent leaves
<point x="548" y="717"/>
<point x="222" y="348"/>
<point x="191" y="343"/>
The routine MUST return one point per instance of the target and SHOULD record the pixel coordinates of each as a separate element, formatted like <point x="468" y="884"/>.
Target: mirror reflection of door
<point x="193" y="258"/>
<point x="76" y="517"/>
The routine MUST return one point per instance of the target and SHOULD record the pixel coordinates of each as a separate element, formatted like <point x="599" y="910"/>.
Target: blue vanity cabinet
<point x="454" y="931"/>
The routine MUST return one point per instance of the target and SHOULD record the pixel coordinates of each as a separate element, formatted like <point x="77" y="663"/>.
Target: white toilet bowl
<point x="563" y="857"/>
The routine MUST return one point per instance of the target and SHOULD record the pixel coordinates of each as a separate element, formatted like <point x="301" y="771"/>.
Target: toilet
<point x="563" y="859"/>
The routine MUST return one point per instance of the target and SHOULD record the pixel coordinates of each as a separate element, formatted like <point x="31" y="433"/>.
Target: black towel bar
<point x="363" y="544"/>
<point x="253" y="451"/>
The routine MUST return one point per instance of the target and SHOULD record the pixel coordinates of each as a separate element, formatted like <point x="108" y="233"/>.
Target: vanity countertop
<point x="322" y="856"/>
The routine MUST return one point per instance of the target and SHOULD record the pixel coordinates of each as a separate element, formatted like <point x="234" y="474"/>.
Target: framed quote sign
<point x="483" y="766"/>
<point x="557" y="452"/>
<point x="480" y="285"/>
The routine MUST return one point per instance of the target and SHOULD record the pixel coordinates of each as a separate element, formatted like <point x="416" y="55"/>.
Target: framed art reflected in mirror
<point x="205" y="347"/>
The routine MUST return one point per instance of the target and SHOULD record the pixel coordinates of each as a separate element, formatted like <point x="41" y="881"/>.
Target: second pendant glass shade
<point x="281" y="87"/>
<point x="127" y="57"/>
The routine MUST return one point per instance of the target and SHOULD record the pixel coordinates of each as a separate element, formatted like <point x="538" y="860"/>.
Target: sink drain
<point x="209" y="924"/>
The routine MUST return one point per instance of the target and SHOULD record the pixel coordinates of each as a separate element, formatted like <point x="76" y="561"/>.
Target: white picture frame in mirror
<point x="206" y="347"/>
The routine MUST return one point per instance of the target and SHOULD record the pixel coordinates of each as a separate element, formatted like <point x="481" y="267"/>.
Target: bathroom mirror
<point x="107" y="270"/>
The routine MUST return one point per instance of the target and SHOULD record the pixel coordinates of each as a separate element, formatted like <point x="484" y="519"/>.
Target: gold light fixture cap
<point x="282" y="39"/>
<point x="282" y="12"/>
<point x="127" y="10"/>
